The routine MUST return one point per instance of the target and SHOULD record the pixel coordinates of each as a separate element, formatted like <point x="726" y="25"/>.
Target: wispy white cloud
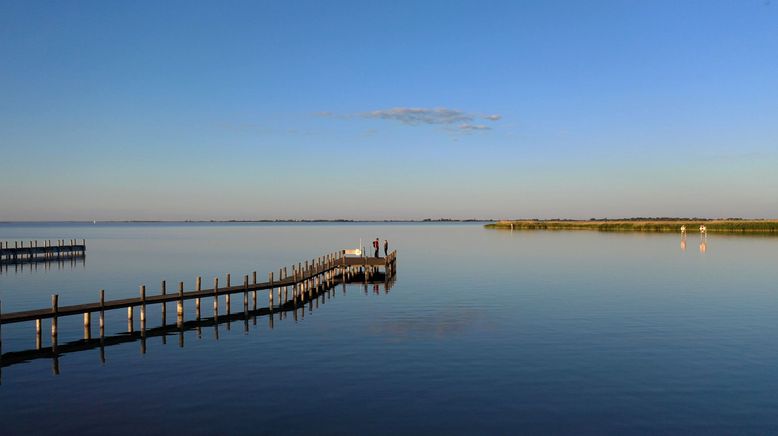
<point x="473" y="127"/>
<point x="415" y="116"/>
<point x="450" y="119"/>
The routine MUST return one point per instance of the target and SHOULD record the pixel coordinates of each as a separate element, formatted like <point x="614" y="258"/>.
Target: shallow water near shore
<point x="483" y="331"/>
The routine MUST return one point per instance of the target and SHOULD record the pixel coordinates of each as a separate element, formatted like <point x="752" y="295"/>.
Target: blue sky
<point x="296" y="109"/>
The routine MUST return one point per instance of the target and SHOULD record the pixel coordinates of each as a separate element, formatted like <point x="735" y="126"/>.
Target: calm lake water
<point x="483" y="332"/>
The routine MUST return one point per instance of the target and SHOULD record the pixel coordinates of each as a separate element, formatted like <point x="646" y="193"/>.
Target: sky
<point x="291" y="109"/>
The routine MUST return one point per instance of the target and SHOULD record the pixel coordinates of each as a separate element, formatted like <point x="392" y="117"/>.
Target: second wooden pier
<point x="34" y="252"/>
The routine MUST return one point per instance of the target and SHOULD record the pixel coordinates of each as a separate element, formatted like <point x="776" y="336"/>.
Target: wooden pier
<point x="45" y="251"/>
<point x="286" y="291"/>
<point x="199" y="326"/>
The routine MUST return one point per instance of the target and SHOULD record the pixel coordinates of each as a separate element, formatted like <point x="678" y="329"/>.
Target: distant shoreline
<point x="644" y="225"/>
<point x="280" y="221"/>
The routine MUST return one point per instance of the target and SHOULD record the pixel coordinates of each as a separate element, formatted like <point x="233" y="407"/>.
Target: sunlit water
<point x="483" y="332"/>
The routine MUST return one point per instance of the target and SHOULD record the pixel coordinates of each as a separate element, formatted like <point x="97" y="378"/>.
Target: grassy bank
<point x="692" y="226"/>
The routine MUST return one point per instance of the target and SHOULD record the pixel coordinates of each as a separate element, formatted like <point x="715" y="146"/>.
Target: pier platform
<point x="45" y="251"/>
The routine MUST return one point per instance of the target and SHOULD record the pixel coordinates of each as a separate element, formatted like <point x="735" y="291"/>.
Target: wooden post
<point x="294" y="285"/>
<point x="286" y="288"/>
<point x="309" y="283"/>
<point x="54" y="311"/>
<point x="280" y="277"/>
<point x="180" y="304"/>
<point x="38" y="335"/>
<point x="304" y="283"/>
<point x="215" y="296"/>
<point x="227" y="296"/>
<point x="87" y="325"/>
<point x="270" y="291"/>
<point x="300" y="285"/>
<point x="254" y="294"/>
<point x="197" y="300"/>
<point x="142" y="306"/>
<point x="163" y="287"/>
<point x="245" y="293"/>
<point x="102" y="313"/>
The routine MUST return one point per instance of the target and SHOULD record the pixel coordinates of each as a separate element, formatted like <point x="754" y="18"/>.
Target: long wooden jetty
<point x="45" y="251"/>
<point x="305" y="280"/>
<point x="213" y="323"/>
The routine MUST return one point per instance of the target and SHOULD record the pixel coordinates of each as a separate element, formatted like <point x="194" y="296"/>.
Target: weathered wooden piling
<point x="38" y="334"/>
<point x="163" y="291"/>
<point x="254" y="294"/>
<point x="180" y="304"/>
<point x="245" y="293"/>
<point x="102" y="313"/>
<point x="280" y="277"/>
<point x="270" y="292"/>
<point x="227" y="296"/>
<point x="87" y="325"/>
<point x="54" y="312"/>
<point x="286" y="288"/>
<point x="197" y="300"/>
<point x="143" y="304"/>
<point x="215" y="296"/>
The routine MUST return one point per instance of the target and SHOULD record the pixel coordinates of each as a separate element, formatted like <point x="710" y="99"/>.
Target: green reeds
<point x="692" y="226"/>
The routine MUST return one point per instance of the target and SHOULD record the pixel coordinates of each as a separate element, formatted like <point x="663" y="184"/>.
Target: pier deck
<point x="244" y="317"/>
<point x="307" y="280"/>
<point x="314" y="271"/>
<point x="34" y="252"/>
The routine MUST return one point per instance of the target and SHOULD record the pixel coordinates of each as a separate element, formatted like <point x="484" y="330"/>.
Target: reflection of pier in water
<point x="313" y="284"/>
<point x="45" y="264"/>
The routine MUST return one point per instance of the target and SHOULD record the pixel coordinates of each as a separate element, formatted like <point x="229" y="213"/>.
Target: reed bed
<point x="692" y="226"/>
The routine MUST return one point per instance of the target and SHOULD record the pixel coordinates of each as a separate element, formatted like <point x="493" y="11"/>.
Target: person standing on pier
<point x="376" y="245"/>
<point x="386" y="247"/>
